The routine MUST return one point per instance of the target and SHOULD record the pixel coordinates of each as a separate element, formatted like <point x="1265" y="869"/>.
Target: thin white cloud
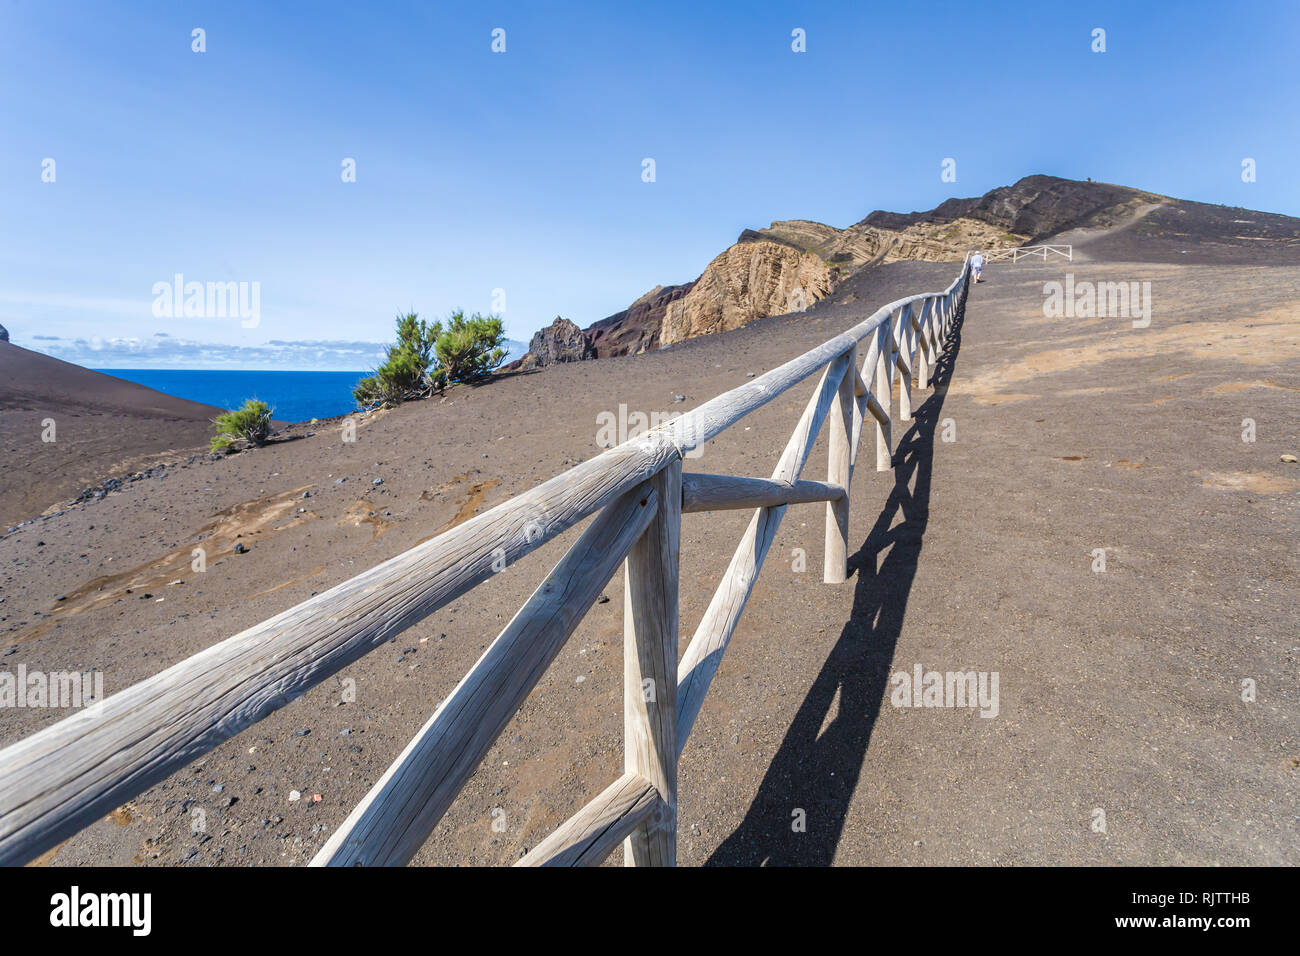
<point x="58" y="300"/>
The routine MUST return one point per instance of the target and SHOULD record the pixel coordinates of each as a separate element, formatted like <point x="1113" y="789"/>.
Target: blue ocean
<point x="294" y="396"/>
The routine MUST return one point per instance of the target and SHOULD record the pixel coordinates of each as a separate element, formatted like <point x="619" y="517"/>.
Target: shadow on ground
<point x="817" y="770"/>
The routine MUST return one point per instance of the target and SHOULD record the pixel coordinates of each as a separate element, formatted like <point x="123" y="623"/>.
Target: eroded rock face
<point x="561" y="341"/>
<point x="4" y="334"/>
<point x="860" y="244"/>
<point x="792" y="264"/>
<point x="750" y="280"/>
<point x="635" y="329"/>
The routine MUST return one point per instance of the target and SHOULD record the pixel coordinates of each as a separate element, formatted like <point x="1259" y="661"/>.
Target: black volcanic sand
<point x="1188" y="233"/>
<point x="1119" y="691"/>
<point x="104" y="427"/>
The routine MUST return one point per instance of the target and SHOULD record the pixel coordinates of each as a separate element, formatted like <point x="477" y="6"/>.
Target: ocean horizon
<point x="294" y="396"/>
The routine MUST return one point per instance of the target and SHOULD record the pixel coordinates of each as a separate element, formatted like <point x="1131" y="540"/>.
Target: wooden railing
<point x="59" y="780"/>
<point x="1030" y="252"/>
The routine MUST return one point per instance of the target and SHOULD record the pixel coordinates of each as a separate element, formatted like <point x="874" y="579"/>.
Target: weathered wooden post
<point x="650" y="671"/>
<point x="883" y="393"/>
<point x="839" y="471"/>
<point x="936" y="327"/>
<point x="923" y="346"/>
<point x="904" y="362"/>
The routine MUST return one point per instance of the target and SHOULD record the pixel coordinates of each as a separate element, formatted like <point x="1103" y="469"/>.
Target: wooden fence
<point x="1029" y="252"/>
<point x="61" y="779"/>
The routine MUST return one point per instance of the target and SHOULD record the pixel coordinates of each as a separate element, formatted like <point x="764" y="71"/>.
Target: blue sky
<point x="521" y="171"/>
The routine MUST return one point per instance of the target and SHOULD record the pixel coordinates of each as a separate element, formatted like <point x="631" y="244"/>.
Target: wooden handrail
<point x="704" y="653"/>
<point x="61" y="778"/>
<point x="595" y="831"/>
<point x="401" y="810"/>
<point x="702" y="492"/>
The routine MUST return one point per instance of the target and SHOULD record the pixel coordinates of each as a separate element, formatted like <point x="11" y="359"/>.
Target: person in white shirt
<point x="977" y="266"/>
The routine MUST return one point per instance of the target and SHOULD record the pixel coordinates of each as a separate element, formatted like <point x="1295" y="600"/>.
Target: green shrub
<point x="429" y="357"/>
<point x="250" y="424"/>
<point x="404" y="373"/>
<point x="469" y="349"/>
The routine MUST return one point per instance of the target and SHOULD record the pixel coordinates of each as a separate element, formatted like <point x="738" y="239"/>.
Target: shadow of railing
<point x="817" y="767"/>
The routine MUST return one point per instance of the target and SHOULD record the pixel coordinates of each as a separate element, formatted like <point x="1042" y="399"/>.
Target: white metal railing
<point x="1066" y="252"/>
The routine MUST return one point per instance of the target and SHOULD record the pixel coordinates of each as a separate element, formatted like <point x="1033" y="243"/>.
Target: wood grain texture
<point x="704" y="653"/>
<point x="395" y="818"/>
<point x="883" y="395"/>
<point x="904" y="363"/>
<point x="705" y="492"/>
<point x="923" y="356"/>
<point x="839" y="471"/>
<point x="859" y="416"/>
<point x="650" y="671"/>
<point x="69" y="774"/>
<point x="590" y="835"/>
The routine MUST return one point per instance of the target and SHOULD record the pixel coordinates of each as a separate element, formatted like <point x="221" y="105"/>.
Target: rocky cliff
<point x="754" y="278"/>
<point x="793" y="263"/>
<point x="636" y="328"/>
<point x="561" y="341"/>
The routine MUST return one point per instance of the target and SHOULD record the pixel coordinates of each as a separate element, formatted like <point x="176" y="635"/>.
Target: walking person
<point x="977" y="266"/>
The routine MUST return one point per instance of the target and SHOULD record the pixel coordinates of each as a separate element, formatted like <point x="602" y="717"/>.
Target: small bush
<point x="250" y="424"/>
<point x="429" y="357"/>
<point x="469" y="349"/>
<point x="404" y="373"/>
